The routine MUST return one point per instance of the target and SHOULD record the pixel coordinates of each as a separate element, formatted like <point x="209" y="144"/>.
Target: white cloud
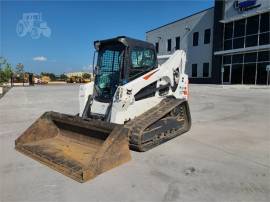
<point x="40" y="59"/>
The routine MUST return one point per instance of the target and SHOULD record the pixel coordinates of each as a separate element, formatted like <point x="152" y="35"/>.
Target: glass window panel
<point x="157" y="47"/>
<point x="107" y="70"/>
<point x="142" y="58"/>
<point x="238" y="43"/>
<point x="228" y="30"/>
<point x="206" y="69"/>
<point x="227" y="59"/>
<point x="262" y="73"/>
<point x="239" y="28"/>
<point x="142" y="61"/>
<point x="249" y="73"/>
<point x="252" y="25"/>
<point x="236" y="74"/>
<point x="237" y="58"/>
<point x="194" y="70"/>
<point x="169" y="45"/>
<point x="264" y="24"/>
<point x="251" y="40"/>
<point x="250" y="57"/>
<point x="264" y="38"/>
<point x="264" y="56"/>
<point x="109" y="60"/>
<point x="226" y="73"/>
<point x="177" y="43"/>
<point x="195" y="38"/>
<point x="227" y="44"/>
<point x="207" y="34"/>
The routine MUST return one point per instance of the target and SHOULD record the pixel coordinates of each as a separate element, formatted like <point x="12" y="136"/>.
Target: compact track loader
<point x="132" y="103"/>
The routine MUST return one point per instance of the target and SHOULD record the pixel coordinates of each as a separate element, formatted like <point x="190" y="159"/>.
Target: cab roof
<point x="126" y="41"/>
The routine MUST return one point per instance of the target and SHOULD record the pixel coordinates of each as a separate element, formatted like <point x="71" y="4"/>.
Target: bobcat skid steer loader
<point x="132" y="103"/>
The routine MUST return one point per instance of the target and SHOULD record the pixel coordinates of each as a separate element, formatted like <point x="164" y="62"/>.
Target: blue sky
<point x="76" y="24"/>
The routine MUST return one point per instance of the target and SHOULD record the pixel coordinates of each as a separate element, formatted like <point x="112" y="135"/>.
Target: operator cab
<point x="120" y="60"/>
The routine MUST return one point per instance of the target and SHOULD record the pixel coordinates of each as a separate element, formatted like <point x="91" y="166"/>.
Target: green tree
<point x="86" y="76"/>
<point x="63" y="77"/>
<point x="2" y="63"/>
<point x="1" y="76"/>
<point x="19" y="69"/>
<point x="6" y="73"/>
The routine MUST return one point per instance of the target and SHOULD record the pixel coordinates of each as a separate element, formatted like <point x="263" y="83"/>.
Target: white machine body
<point x="124" y="107"/>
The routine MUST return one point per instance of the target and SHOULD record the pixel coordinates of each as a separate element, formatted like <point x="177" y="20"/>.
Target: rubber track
<point x="138" y="125"/>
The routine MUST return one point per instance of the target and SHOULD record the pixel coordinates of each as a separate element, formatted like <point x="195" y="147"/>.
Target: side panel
<point x="84" y="91"/>
<point x="121" y="113"/>
<point x="99" y="107"/>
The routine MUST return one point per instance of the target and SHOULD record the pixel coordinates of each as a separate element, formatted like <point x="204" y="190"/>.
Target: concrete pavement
<point x="224" y="157"/>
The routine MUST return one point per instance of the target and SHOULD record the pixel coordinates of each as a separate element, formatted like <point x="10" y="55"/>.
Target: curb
<point x="4" y="90"/>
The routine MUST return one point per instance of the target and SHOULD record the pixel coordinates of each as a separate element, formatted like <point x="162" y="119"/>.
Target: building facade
<point x="226" y="44"/>
<point x="243" y="55"/>
<point x="192" y="34"/>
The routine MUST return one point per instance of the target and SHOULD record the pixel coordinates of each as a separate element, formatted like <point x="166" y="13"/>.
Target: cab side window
<point x="142" y="61"/>
<point x="142" y="58"/>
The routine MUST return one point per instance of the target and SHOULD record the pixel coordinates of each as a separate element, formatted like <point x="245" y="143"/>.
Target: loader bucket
<point x="78" y="148"/>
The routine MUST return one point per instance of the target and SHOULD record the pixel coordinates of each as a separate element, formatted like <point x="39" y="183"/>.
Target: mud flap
<point x="78" y="148"/>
